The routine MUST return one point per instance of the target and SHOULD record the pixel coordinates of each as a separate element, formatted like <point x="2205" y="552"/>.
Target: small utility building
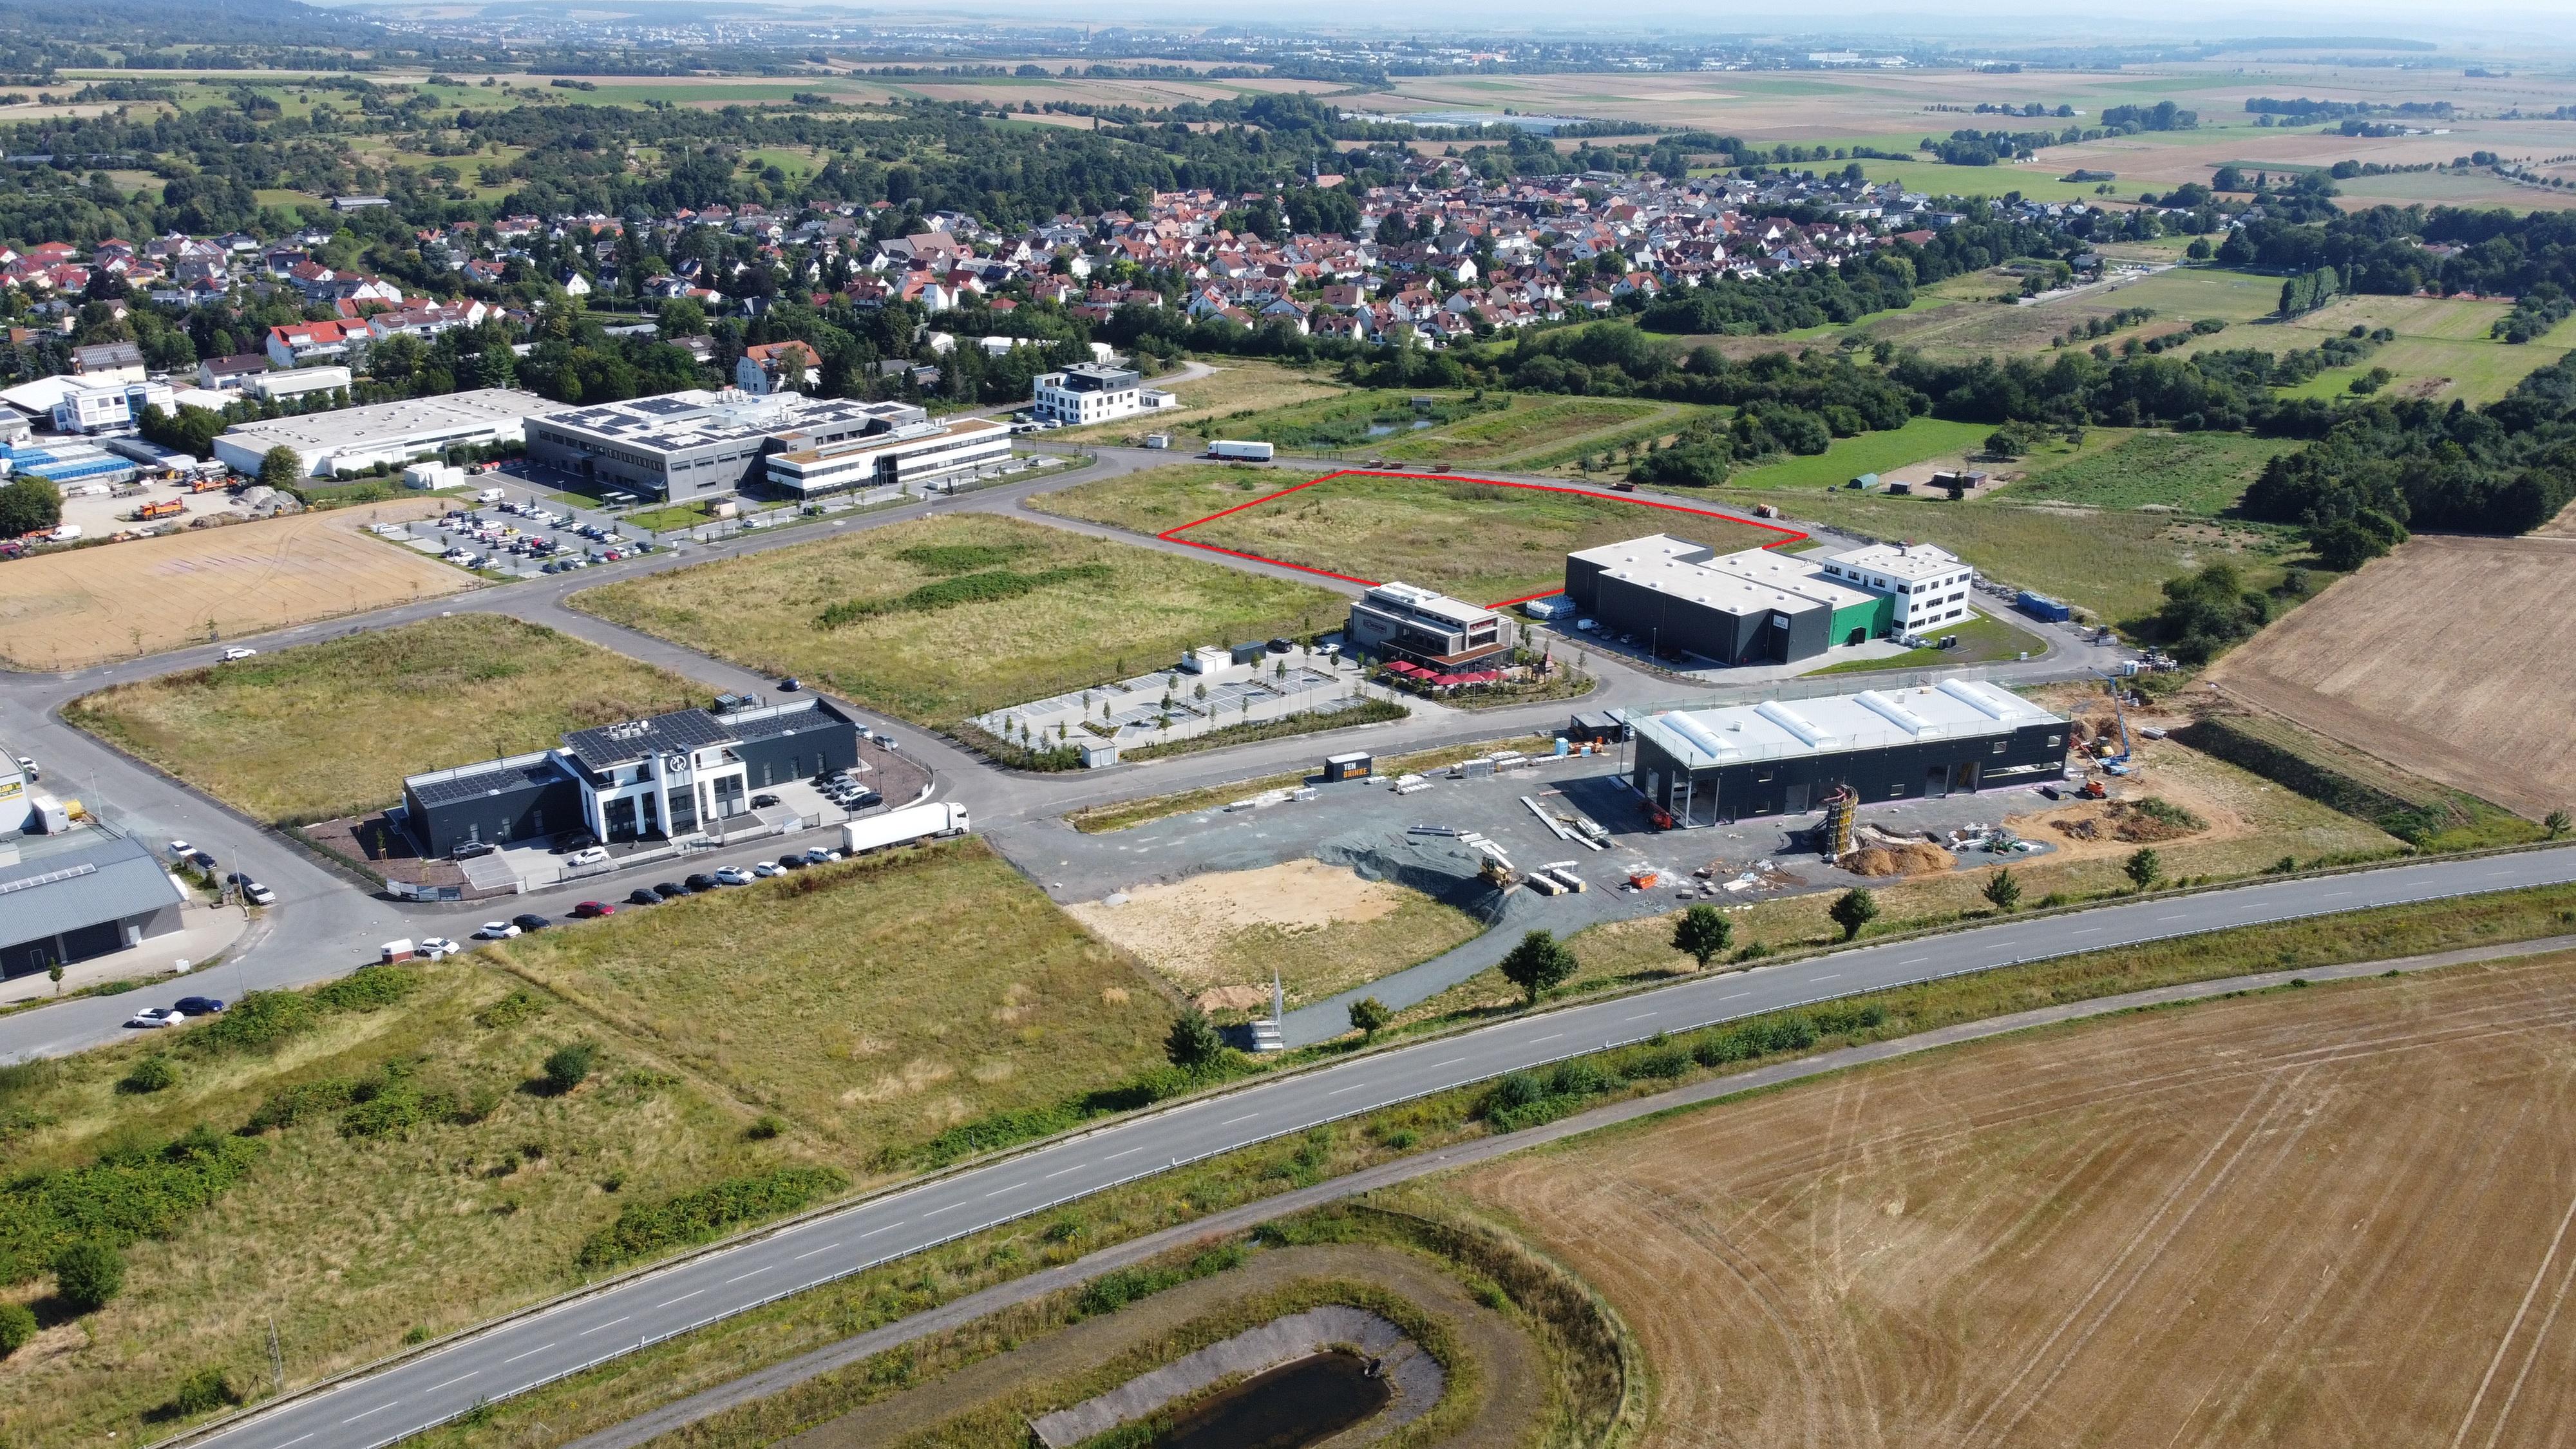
<point x="1708" y="766"/>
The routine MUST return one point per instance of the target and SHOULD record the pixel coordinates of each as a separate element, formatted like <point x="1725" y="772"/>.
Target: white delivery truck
<point x="1240" y="451"/>
<point x="913" y="823"/>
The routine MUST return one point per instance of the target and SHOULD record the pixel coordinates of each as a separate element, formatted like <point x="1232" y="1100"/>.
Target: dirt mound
<point x="2133" y="822"/>
<point x="1232" y="998"/>
<point x="1897" y="858"/>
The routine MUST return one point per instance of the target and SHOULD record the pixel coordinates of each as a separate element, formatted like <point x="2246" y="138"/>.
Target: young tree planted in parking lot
<point x="1702" y="934"/>
<point x="1193" y="1042"/>
<point x="88" y="1273"/>
<point x="1538" y="965"/>
<point x="2144" y="867"/>
<point x="1852" y="910"/>
<point x="1369" y="1016"/>
<point x="2002" y="891"/>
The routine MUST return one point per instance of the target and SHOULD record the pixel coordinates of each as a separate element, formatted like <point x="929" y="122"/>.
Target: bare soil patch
<point x="1217" y="937"/>
<point x="2223" y="1225"/>
<point x="83" y="606"/>
<point x="2442" y="659"/>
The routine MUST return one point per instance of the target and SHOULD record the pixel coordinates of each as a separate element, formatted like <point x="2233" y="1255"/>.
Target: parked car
<point x="862" y="800"/>
<point x="732" y="875"/>
<point x="201" y="860"/>
<point x="496" y="931"/>
<point x="28" y="768"/>
<point x="591" y="910"/>
<point x="702" y="882"/>
<point x="594" y="855"/>
<point x="180" y="850"/>
<point x="154" y="1017"/>
<point x="531" y="921"/>
<point x="239" y="879"/>
<point x="237" y="652"/>
<point x="469" y="849"/>
<point x="642" y="896"/>
<point x="790" y="685"/>
<point x="821" y="855"/>
<point x="768" y="868"/>
<point x="257" y="894"/>
<point x="432" y="948"/>
<point x="763" y="802"/>
<point x="669" y="888"/>
<point x="793" y="861"/>
<point x="584" y="840"/>
<point x="197" y="1005"/>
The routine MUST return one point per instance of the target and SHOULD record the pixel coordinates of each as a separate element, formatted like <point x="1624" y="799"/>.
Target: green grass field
<point x="1475" y="541"/>
<point x="2442" y="349"/>
<point x="805" y="999"/>
<point x="2201" y="473"/>
<point x="1981" y="639"/>
<point x="325" y="730"/>
<point x="1044" y="611"/>
<point x="1848" y="458"/>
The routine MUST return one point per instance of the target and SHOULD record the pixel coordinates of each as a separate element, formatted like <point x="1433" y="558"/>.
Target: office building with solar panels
<point x="670" y="777"/>
<point x="697" y="444"/>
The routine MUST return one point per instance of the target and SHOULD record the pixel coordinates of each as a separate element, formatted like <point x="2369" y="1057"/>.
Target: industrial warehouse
<point x="697" y="444"/>
<point x="1762" y="607"/>
<point x="669" y="777"/>
<point x="352" y="440"/>
<point x="1711" y="766"/>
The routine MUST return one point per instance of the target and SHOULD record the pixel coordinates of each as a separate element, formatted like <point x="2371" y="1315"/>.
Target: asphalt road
<point x="515" y="1356"/>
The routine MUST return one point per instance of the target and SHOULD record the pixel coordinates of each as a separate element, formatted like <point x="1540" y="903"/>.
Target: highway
<point x="519" y="1354"/>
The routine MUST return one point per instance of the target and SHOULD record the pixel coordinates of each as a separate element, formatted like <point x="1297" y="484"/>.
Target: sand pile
<point x="1903" y="857"/>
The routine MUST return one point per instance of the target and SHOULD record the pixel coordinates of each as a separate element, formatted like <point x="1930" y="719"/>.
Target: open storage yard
<point x="69" y="608"/>
<point x="945" y="618"/>
<point x="2223" y="1225"/>
<point x="2443" y="659"/>
<point x="1473" y="539"/>
<point x="400" y="1159"/>
<point x="330" y="729"/>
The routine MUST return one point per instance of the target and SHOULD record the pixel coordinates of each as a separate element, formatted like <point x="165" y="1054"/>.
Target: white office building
<point x="1929" y="586"/>
<point x="107" y="404"/>
<point x="1093" y="392"/>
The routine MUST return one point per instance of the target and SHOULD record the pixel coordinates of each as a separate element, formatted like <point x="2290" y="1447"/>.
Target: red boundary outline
<point x="1173" y="534"/>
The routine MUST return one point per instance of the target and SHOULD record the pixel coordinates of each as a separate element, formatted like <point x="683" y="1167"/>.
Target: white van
<point x="490" y="495"/>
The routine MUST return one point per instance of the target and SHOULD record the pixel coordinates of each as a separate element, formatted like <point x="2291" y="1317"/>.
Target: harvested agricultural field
<point x="330" y="729"/>
<point x="942" y="619"/>
<point x="2439" y="660"/>
<point x="1323" y="928"/>
<point x="2216" y="1225"/>
<point x="1475" y="540"/>
<point x="83" y="606"/>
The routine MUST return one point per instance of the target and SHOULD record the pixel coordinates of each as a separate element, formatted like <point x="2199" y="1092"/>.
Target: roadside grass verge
<point x="324" y="730"/>
<point x="1475" y="541"/>
<point x="721" y="1352"/>
<point x="1982" y="637"/>
<point x="1102" y="611"/>
<point x="2427" y="815"/>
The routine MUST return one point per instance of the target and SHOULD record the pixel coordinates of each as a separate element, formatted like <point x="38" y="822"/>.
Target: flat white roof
<point x="1737" y="582"/>
<point x="1871" y="719"/>
<point x="1424" y="601"/>
<point x="391" y="422"/>
<point x="1910" y="562"/>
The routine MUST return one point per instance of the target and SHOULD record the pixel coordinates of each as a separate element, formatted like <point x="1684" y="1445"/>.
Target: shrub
<point x="368" y="988"/>
<point x="694" y="1217"/>
<point x="520" y="1005"/>
<point x="568" y="1067"/>
<point x="17" y="1325"/>
<point x="1193" y="1041"/>
<point x="394" y="1101"/>
<point x="128" y="1193"/>
<point x="152" y="1074"/>
<point x="1517" y="1089"/>
<point x="203" y="1392"/>
<point x="260" y="1021"/>
<point x="88" y="1273"/>
<point x="764" y="1127"/>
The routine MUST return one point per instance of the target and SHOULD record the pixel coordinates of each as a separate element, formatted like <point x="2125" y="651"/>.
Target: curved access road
<point x="566" y="1337"/>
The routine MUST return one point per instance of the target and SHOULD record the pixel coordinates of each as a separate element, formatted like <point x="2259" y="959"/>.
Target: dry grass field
<point x="1478" y="541"/>
<point x="2438" y="660"/>
<point x="1091" y="611"/>
<point x="2321" y="1217"/>
<point x="1237" y="388"/>
<point x="84" y="606"/>
<point x="324" y="730"/>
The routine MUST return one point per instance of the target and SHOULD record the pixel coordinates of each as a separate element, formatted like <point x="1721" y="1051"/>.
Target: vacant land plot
<point x="330" y="729"/>
<point x="2441" y="349"/>
<point x="1532" y="425"/>
<point x="1920" y="440"/>
<point x="1210" y="406"/>
<point x="2202" y="473"/>
<point x="2109" y="1233"/>
<point x="69" y="609"/>
<point x="2436" y="660"/>
<point x="1976" y="326"/>
<point x="946" y="618"/>
<point x="1322" y="928"/>
<point x="1478" y="541"/>
<point x="2111" y="562"/>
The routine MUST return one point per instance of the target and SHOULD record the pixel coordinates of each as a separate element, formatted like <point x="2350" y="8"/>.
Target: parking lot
<point x="518" y="539"/>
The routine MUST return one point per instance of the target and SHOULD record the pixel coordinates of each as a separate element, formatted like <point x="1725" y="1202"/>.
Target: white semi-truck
<point x="1242" y="451"/>
<point x="937" y="820"/>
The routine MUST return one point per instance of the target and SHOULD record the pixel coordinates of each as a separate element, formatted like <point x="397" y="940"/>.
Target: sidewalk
<point x="205" y="930"/>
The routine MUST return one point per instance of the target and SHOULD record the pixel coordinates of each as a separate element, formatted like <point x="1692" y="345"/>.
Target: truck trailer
<point x="938" y="820"/>
<point x="1240" y="451"/>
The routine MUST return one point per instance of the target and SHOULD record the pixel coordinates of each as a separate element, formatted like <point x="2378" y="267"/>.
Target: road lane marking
<point x="378" y="1409"/>
<point x="2331" y="895"/>
<point x="1050" y="1177"/>
<point x="1641" y="1016"/>
<point x="1730" y="996"/>
<point x="291" y="1443"/>
<point x="1113" y="1157"/>
<point x="2091" y="931"/>
<point x="2168" y="918"/>
<point x="1014" y="1187"/>
<point x="890" y="1227"/>
<point x="934" y="1212"/>
<point x="1353" y="1087"/>
<point x="754" y="1273"/>
<point x="1246" y="1117"/>
<point x="1551" y="1036"/>
<point x="683" y="1298"/>
<point x="1913" y="960"/>
<point x="801" y="1257"/>
<point x="434" y="1388"/>
<point x="1825" y="976"/>
<point x="612" y="1323"/>
<point x="514" y="1358"/>
<point x="1453" y="1061"/>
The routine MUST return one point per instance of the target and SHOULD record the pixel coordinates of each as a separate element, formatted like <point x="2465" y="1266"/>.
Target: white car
<point x="431" y="948"/>
<point x="259" y="895"/>
<point x="181" y="850"/>
<point x="731" y="876"/>
<point x="595" y="855"/>
<point x="238" y="652"/>
<point x="768" y="868"/>
<point x="28" y="767"/>
<point x="496" y="931"/>
<point x="155" y="1017"/>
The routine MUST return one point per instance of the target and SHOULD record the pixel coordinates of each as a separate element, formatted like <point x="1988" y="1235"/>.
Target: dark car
<point x="790" y="685"/>
<point x="642" y="896"/>
<point x="239" y="879"/>
<point x="793" y="862"/>
<point x="197" y="1005"/>
<point x="669" y="888"/>
<point x="201" y="860"/>
<point x="763" y="802"/>
<point x="530" y="922"/>
<point x="583" y="841"/>
<point x="591" y="910"/>
<point x="703" y="883"/>
<point x="863" y="800"/>
<point x="468" y="849"/>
